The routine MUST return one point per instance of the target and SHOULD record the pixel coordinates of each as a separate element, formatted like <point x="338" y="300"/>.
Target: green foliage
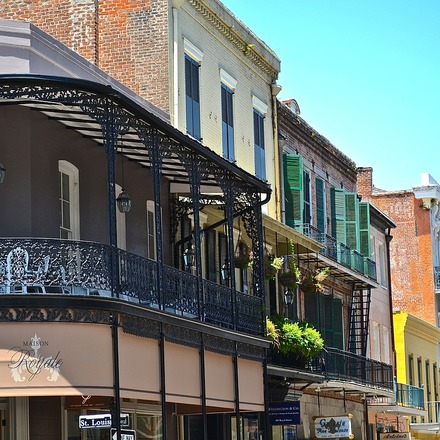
<point x="294" y="338"/>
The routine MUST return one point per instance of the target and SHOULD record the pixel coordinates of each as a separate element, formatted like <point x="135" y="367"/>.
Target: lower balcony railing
<point x="410" y="396"/>
<point x="340" y="365"/>
<point x="67" y="267"/>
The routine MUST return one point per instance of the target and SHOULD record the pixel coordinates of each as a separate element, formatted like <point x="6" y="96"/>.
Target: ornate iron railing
<point x="410" y="396"/>
<point x="342" y="253"/>
<point x="67" y="267"/>
<point x="340" y="365"/>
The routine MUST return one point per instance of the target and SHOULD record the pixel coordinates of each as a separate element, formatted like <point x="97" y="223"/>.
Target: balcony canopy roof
<point x="92" y="108"/>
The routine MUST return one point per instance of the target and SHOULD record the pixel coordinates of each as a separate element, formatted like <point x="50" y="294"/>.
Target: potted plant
<point x="311" y="282"/>
<point x="243" y="256"/>
<point x="272" y="265"/>
<point x="291" y="277"/>
<point x="296" y="342"/>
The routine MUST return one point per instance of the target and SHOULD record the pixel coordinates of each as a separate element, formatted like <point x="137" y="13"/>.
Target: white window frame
<point x="150" y="210"/>
<point x="121" y="228"/>
<point x="72" y="171"/>
<point x="382" y="266"/>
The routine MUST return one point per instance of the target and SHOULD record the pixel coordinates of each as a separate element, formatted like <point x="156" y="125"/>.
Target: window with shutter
<point x="352" y="220"/>
<point x="259" y="147"/>
<point x="227" y="123"/>
<point x="293" y="189"/>
<point x="364" y="229"/>
<point x="211" y="261"/>
<point x="325" y="313"/>
<point x="320" y="205"/>
<point x="192" y="92"/>
<point x="307" y="214"/>
<point x="338" y="214"/>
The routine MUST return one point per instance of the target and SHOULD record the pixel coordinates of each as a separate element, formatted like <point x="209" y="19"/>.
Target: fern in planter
<point x="296" y="341"/>
<point x="311" y="282"/>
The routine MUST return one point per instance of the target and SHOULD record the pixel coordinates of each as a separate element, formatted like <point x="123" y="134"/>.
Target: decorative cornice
<point x="234" y="38"/>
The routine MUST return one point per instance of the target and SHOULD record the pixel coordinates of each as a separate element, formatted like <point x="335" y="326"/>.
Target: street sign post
<point x="101" y="421"/>
<point x="126" y="434"/>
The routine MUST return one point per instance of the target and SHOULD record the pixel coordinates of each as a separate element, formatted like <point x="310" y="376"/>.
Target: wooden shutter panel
<point x="293" y="189"/>
<point x="351" y="221"/>
<point x="364" y="229"/>
<point x="311" y="309"/>
<point x="320" y="205"/>
<point x="338" y="213"/>
<point x="338" y="333"/>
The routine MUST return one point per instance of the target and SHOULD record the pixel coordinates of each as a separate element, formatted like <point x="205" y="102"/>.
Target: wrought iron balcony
<point x="67" y="267"/>
<point x="340" y="365"/>
<point x="341" y="253"/>
<point x="410" y="396"/>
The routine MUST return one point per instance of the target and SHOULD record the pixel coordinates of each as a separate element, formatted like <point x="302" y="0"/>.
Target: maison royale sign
<point x="34" y="358"/>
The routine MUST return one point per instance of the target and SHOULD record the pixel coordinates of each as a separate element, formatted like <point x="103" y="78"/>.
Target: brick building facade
<point x="412" y="259"/>
<point x="126" y="39"/>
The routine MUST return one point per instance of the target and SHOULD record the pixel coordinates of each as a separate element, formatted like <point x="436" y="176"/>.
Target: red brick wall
<point x="128" y="39"/>
<point x="365" y="182"/>
<point x="411" y="253"/>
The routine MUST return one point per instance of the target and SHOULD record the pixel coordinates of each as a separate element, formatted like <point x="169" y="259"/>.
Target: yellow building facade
<point x="416" y="344"/>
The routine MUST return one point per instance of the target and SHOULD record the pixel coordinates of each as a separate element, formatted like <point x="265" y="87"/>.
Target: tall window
<point x="293" y="189"/>
<point x="227" y="123"/>
<point x="382" y="267"/>
<point x="192" y="91"/>
<point x="307" y="216"/>
<point x="325" y="312"/>
<point x="259" y="151"/>
<point x="68" y="200"/>
<point x="151" y="231"/>
<point x="260" y="110"/>
<point x="386" y="345"/>
<point x="321" y="207"/>
<point x="410" y="369"/>
<point x="375" y="349"/>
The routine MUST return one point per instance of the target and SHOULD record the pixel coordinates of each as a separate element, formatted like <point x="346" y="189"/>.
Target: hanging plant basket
<point x="308" y="285"/>
<point x="288" y="279"/>
<point x="243" y="256"/>
<point x="312" y="282"/>
<point x="272" y="265"/>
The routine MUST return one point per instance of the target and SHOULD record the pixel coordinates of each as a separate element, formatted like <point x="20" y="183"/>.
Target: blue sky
<point x="366" y="75"/>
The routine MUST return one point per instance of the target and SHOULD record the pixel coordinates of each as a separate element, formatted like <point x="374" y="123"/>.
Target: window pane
<point x="148" y="427"/>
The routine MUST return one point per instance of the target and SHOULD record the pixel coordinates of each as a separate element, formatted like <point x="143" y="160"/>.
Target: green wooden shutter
<point x="352" y="220"/>
<point x="320" y="205"/>
<point x="293" y="189"/>
<point x="338" y="324"/>
<point x="311" y="309"/>
<point x="364" y="229"/>
<point x="338" y="213"/>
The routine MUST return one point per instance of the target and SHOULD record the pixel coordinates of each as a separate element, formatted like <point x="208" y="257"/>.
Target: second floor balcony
<point x="340" y="252"/>
<point x="67" y="267"/>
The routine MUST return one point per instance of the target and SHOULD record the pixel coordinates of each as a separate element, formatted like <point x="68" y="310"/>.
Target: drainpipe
<point x="388" y="239"/>
<point x="176" y="5"/>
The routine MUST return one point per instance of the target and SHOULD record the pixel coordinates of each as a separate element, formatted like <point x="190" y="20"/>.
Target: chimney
<point x="365" y="182"/>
